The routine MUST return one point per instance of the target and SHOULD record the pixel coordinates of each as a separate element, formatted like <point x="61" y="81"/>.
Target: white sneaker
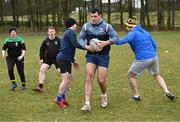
<point x="103" y="100"/>
<point x="86" y="108"/>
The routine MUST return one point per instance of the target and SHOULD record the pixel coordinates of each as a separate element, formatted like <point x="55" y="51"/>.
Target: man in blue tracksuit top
<point x="144" y="48"/>
<point x="64" y="59"/>
<point x="99" y="61"/>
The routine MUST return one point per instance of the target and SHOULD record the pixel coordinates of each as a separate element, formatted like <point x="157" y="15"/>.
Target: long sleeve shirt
<point x="141" y="42"/>
<point x="101" y="31"/>
<point x="49" y="48"/>
<point x="69" y="44"/>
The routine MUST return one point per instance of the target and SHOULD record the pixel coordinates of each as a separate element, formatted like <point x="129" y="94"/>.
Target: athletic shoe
<point x="65" y="102"/>
<point x="103" y="100"/>
<point x="60" y="103"/>
<point x="38" y="89"/>
<point x="13" y="86"/>
<point x="135" y="99"/>
<point x="23" y="88"/>
<point x="86" y="108"/>
<point x="170" y="96"/>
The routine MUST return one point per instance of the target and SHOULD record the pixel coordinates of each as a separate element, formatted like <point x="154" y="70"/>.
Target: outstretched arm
<point x="126" y="39"/>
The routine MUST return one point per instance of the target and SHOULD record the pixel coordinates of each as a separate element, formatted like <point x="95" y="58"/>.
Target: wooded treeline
<point x="37" y="14"/>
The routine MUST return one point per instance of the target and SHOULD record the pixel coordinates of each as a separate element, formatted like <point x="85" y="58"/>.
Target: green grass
<point x="29" y="106"/>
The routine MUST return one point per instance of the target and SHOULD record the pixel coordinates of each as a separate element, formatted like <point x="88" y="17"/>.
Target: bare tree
<point x="64" y="9"/>
<point x="101" y="7"/>
<point x="54" y="3"/>
<point x="109" y="11"/>
<point x="46" y="12"/>
<point x="93" y="4"/>
<point x="1" y="12"/>
<point x="80" y="12"/>
<point x="130" y="8"/>
<point x="14" y="11"/>
<point x="121" y="9"/>
<point x="160" y="14"/>
<point x="142" y="14"/>
<point x="85" y="12"/>
<point x="173" y="14"/>
<point x="147" y="13"/>
<point x="30" y="15"/>
<point x="169" y="14"/>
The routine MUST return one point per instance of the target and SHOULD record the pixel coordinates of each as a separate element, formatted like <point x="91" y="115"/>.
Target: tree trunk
<point x="101" y="8"/>
<point x="147" y="13"/>
<point x="46" y="12"/>
<point x="80" y="12"/>
<point x="40" y="14"/>
<point x="17" y="13"/>
<point x="54" y="14"/>
<point x="13" y="10"/>
<point x="30" y="15"/>
<point x="169" y="15"/>
<point x="85" y="11"/>
<point x="109" y="11"/>
<point x="142" y="14"/>
<point x="92" y="4"/>
<point x="160" y="14"/>
<point x="37" y="13"/>
<point x="130" y="8"/>
<point x="59" y="15"/>
<point x="173" y="14"/>
<point x="121" y="13"/>
<point x="64" y="9"/>
<point x="1" y="12"/>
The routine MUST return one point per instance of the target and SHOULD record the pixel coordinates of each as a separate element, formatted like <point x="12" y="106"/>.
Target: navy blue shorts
<point x="65" y="66"/>
<point x="98" y="60"/>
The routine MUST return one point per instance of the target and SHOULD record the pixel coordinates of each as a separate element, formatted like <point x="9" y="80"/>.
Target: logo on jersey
<point x="101" y="30"/>
<point x="55" y="43"/>
<point x="47" y="43"/>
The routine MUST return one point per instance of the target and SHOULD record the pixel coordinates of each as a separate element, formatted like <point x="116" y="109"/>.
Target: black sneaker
<point x="38" y="89"/>
<point x="135" y="99"/>
<point x="170" y="96"/>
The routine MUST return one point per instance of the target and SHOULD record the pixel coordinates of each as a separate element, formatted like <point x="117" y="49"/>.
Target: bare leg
<point x="102" y="71"/>
<point x="66" y="78"/>
<point x="133" y="83"/>
<point x="90" y="71"/>
<point x="43" y="69"/>
<point x="161" y="82"/>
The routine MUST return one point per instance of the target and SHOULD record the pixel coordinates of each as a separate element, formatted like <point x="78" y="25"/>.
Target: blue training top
<point x="102" y="31"/>
<point x="141" y="42"/>
<point x="68" y="46"/>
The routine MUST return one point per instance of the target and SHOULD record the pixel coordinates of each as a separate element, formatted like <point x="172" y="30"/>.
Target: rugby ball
<point x="94" y="44"/>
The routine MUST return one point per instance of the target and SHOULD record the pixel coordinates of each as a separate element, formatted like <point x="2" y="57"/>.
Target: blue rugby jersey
<point x="102" y="31"/>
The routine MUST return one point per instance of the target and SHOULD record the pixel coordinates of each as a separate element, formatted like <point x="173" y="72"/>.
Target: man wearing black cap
<point x="64" y="58"/>
<point x="13" y="51"/>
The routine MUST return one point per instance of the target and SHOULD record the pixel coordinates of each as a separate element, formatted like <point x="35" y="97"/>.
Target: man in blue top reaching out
<point x="144" y="48"/>
<point x="99" y="61"/>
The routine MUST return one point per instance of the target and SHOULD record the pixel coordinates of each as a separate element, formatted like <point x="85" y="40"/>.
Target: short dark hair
<point x="95" y="10"/>
<point x="51" y="27"/>
<point x="11" y="29"/>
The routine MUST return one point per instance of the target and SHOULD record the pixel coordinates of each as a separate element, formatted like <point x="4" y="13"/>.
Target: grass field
<point x="30" y="106"/>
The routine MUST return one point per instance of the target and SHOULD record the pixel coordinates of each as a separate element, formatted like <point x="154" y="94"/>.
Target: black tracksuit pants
<point x="11" y="61"/>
